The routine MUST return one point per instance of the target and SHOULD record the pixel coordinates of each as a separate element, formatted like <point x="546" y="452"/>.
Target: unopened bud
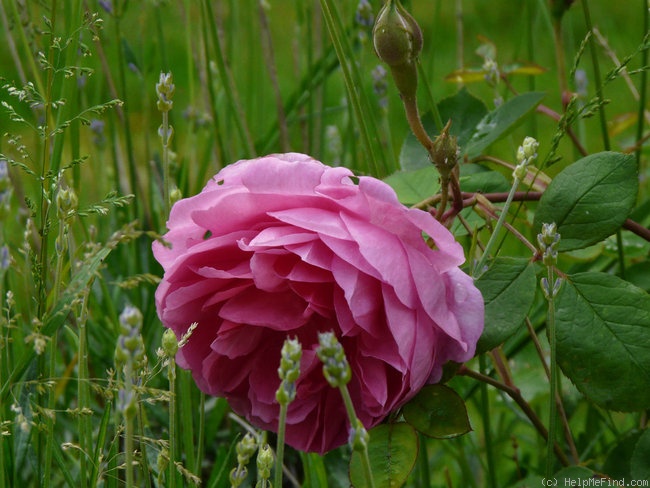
<point x="396" y="35"/>
<point x="130" y="318"/>
<point x="445" y="151"/>
<point x="548" y="241"/>
<point x="397" y="39"/>
<point x="526" y="154"/>
<point x="175" y="195"/>
<point x="169" y="343"/>
<point x="66" y="202"/>
<point x="336" y="368"/>
<point x="165" y="90"/>
<point x="264" y="462"/>
<point x="246" y="448"/>
<point x="359" y="437"/>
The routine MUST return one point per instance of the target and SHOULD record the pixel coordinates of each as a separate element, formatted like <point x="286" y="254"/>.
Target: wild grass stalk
<point x="643" y="91"/>
<point x="491" y="475"/>
<point x="83" y="394"/>
<point x="228" y="85"/>
<point x="526" y="154"/>
<point x="377" y="163"/>
<point x="168" y="345"/>
<point x="134" y="181"/>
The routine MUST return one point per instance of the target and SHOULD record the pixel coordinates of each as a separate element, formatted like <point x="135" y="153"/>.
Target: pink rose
<point x="286" y="246"/>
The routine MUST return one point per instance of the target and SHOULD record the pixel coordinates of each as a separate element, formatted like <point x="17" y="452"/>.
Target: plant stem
<point x="365" y="459"/>
<point x="83" y="393"/>
<point x="423" y="457"/>
<point x="129" y="413"/>
<point x="413" y="118"/>
<point x="353" y="84"/>
<point x="643" y="88"/>
<point x="602" y="116"/>
<point x="165" y="162"/>
<point x="269" y="58"/>
<point x="478" y="269"/>
<point x="597" y="78"/>
<point x="171" y="376"/>
<point x="228" y="84"/>
<point x="487" y="428"/>
<point x="279" y="450"/>
<point x="550" y="443"/>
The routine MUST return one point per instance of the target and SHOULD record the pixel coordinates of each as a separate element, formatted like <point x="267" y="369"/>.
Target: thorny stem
<point x="447" y="176"/>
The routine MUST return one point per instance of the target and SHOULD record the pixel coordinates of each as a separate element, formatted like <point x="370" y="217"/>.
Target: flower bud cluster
<point x="526" y="154"/>
<point x="289" y="371"/>
<point x="364" y="15"/>
<point x="165" y="90"/>
<point x="5" y="188"/>
<point x="336" y="368"/>
<point x="265" y="460"/>
<point x="548" y="241"/>
<point x="130" y="356"/>
<point x="245" y="449"/>
<point x="359" y="437"/>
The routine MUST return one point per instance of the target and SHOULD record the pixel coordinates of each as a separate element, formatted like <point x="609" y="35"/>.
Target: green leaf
<point x="463" y="109"/>
<point x="465" y="112"/>
<point x="414" y="186"/>
<point x="501" y="121"/>
<point x="617" y="464"/>
<point x="639" y="465"/>
<point x="438" y="411"/>
<point x="484" y="182"/>
<point x="603" y="339"/>
<point x="315" y="471"/>
<point x="590" y="199"/>
<point x="508" y="289"/>
<point x="393" y="450"/>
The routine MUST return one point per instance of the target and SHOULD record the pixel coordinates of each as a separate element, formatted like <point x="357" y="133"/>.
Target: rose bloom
<point x="284" y="246"/>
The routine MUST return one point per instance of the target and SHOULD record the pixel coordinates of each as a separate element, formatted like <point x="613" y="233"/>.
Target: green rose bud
<point x="396" y="35"/>
<point x="397" y="39"/>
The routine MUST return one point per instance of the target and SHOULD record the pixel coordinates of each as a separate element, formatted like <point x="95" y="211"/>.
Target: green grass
<point x="88" y="121"/>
